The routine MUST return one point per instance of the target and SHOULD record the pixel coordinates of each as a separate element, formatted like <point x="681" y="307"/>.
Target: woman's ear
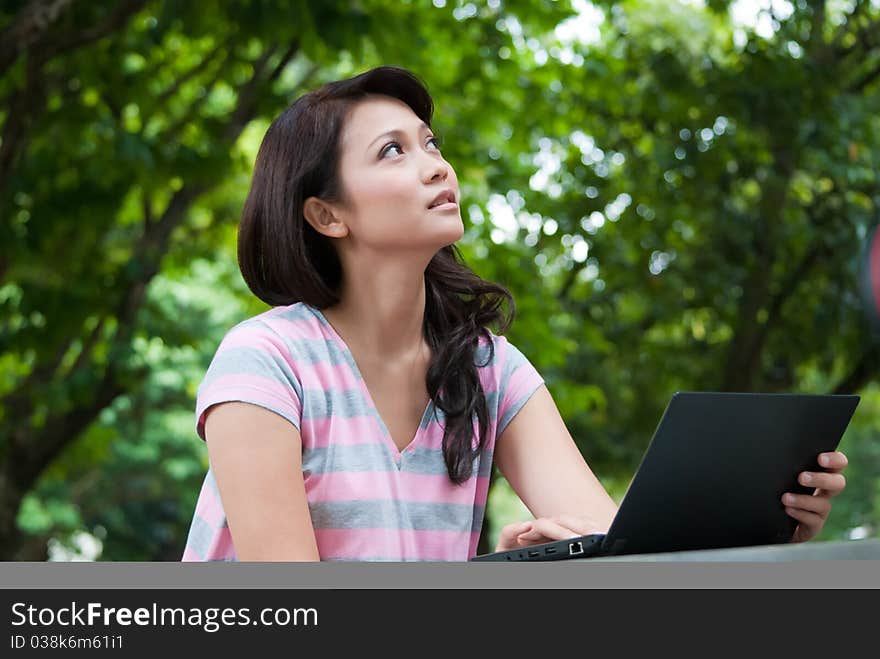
<point x="320" y="215"/>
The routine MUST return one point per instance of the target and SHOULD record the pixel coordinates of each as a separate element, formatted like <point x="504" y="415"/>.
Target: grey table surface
<point x="868" y="549"/>
<point x="841" y="564"/>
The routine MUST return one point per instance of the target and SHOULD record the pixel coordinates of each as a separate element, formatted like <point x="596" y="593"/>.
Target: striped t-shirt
<point x="368" y="500"/>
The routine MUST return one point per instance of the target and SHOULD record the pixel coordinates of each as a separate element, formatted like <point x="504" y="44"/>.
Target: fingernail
<point x="824" y="460"/>
<point x="788" y="498"/>
<point x="806" y="478"/>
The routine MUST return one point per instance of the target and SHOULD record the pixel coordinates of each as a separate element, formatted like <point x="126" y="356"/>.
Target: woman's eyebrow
<point x="396" y="132"/>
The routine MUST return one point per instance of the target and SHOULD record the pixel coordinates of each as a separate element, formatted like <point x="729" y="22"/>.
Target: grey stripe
<point x="433" y="413"/>
<point x="355" y="457"/>
<point x="314" y="312"/>
<point x="512" y="361"/>
<point x="251" y="361"/>
<point x="403" y="515"/>
<point x="430" y="461"/>
<point x="347" y="403"/>
<point x="491" y="403"/>
<point x="513" y="409"/>
<point x="481" y="354"/>
<point x="211" y="483"/>
<point x="484" y="469"/>
<point x="199" y="537"/>
<point x="318" y="351"/>
<point x="304" y="349"/>
<point x="297" y="311"/>
<point x="424" y="461"/>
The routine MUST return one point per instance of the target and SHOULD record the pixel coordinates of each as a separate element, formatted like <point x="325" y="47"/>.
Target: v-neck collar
<point x="386" y="434"/>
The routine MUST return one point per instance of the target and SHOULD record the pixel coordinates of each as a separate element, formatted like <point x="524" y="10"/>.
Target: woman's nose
<point x="438" y="170"/>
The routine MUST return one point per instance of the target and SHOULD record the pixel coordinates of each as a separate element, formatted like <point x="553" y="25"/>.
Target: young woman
<point x="360" y="417"/>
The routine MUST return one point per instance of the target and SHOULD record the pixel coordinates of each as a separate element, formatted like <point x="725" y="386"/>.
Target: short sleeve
<point x="253" y="364"/>
<point x="519" y="379"/>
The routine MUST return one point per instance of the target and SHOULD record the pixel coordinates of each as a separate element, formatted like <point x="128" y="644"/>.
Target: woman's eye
<point x="389" y="146"/>
<point x="394" y="145"/>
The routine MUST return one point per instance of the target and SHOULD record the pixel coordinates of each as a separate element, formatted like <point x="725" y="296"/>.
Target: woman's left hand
<point x="811" y="510"/>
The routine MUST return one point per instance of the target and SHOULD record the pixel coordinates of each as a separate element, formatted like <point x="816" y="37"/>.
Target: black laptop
<point x="713" y="476"/>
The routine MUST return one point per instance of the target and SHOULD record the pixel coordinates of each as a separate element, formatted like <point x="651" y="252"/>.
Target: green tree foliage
<point x="676" y="203"/>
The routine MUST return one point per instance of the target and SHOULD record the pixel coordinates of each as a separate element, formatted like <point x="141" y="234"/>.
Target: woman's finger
<point x="507" y="539"/>
<point x="808" y="502"/>
<point x="834" y="460"/>
<point x="811" y="521"/>
<point x="832" y="483"/>
<point x="545" y="529"/>
<point x="581" y="525"/>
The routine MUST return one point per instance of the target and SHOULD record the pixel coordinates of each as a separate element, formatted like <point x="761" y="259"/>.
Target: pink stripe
<point x="253" y="336"/>
<point x="394" y="544"/>
<point x="307" y="327"/>
<point x="221" y="548"/>
<point x="272" y="390"/>
<point x="406" y="486"/>
<point x="521" y="381"/>
<point x="874" y="263"/>
<point x="236" y="387"/>
<point x="209" y="508"/>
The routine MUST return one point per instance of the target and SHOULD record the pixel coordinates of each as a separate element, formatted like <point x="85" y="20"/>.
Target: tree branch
<point x="34" y="454"/>
<point x="88" y="346"/>
<point x="570" y="279"/>
<point x="173" y="130"/>
<point x="816" y="41"/>
<point x="57" y="46"/>
<point x="863" y="372"/>
<point x="807" y="262"/>
<point x="203" y="64"/>
<point x="23" y="106"/>
<point x="33" y="450"/>
<point x="27" y="103"/>
<point x="861" y="36"/>
<point x="866" y="80"/>
<point x="744" y="351"/>
<point x="28" y="26"/>
<point x="247" y="94"/>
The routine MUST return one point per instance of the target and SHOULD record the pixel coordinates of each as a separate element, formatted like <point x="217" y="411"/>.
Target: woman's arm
<point x="540" y="460"/>
<point x="256" y="456"/>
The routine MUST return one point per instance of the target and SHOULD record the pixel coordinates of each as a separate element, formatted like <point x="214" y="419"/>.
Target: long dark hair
<point x="284" y="260"/>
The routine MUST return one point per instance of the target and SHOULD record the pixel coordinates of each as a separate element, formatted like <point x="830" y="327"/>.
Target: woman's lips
<point x="449" y="205"/>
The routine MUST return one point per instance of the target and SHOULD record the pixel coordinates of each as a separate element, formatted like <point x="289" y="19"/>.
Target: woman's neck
<point x="380" y="314"/>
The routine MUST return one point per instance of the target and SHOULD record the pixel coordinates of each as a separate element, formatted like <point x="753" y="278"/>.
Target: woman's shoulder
<point x="297" y="321"/>
<point x="492" y="349"/>
<point x="506" y="357"/>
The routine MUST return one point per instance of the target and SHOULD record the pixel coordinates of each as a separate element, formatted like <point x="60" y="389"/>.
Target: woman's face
<point x="392" y="170"/>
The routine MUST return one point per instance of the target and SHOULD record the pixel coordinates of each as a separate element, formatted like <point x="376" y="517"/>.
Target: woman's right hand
<point x="546" y="529"/>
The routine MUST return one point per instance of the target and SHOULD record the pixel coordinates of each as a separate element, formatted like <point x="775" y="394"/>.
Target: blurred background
<point x="676" y="193"/>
